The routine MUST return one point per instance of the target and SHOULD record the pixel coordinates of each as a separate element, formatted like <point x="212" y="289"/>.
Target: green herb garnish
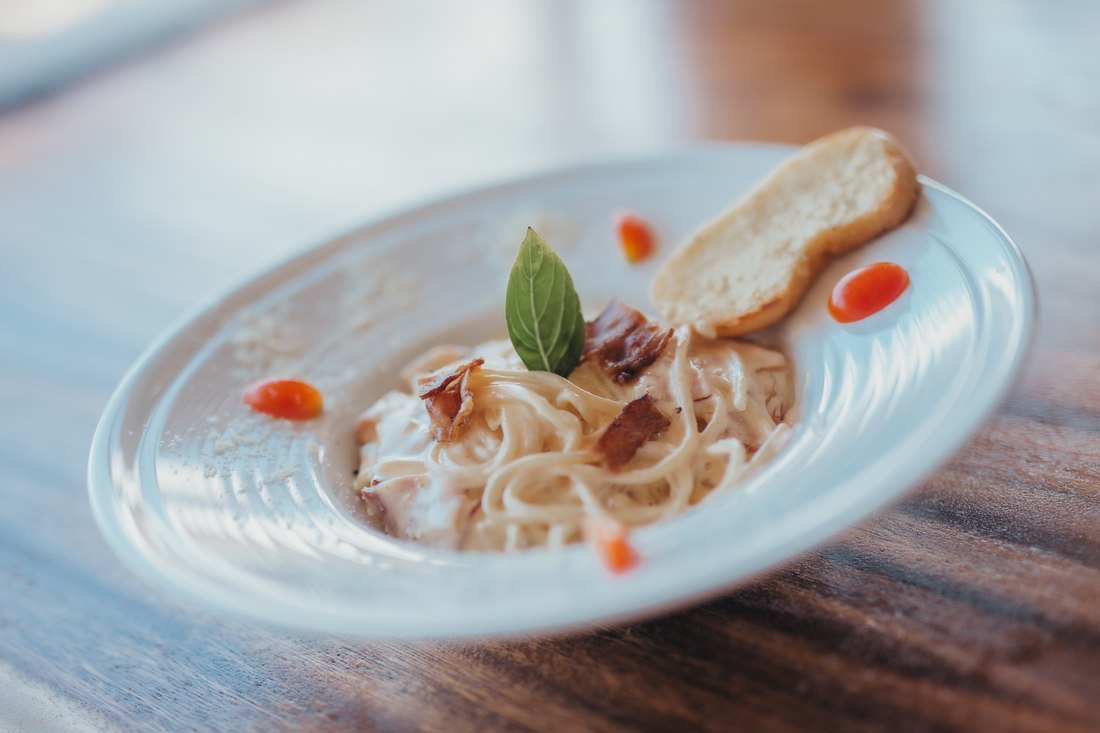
<point x="543" y="310"/>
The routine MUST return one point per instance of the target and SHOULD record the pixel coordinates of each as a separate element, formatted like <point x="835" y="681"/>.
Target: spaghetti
<point x="526" y="470"/>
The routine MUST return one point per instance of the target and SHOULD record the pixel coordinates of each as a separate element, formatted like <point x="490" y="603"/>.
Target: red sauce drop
<point x="612" y="544"/>
<point x="866" y="291"/>
<point x="287" y="398"/>
<point x="636" y="239"/>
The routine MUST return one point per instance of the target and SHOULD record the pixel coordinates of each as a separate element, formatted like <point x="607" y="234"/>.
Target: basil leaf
<point x="543" y="310"/>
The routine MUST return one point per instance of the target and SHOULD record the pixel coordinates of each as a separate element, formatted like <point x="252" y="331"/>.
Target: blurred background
<point x="154" y="153"/>
<point x="269" y="124"/>
<point x="201" y="139"/>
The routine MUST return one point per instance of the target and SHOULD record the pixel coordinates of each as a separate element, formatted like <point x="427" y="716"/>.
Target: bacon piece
<point x="449" y="402"/>
<point x="623" y="342"/>
<point x="430" y="361"/>
<point x="639" y="421"/>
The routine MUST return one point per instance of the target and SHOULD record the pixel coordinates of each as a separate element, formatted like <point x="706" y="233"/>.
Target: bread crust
<point x="750" y="305"/>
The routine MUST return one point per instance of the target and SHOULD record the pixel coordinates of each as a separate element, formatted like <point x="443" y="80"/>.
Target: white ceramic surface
<point x="256" y="516"/>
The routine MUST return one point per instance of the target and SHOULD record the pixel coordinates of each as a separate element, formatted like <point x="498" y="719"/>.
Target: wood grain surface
<point x="973" y="605"/>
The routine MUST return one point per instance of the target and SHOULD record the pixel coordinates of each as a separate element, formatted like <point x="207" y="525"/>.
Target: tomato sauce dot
<point x="866" y="291"/>
<point x="612" y="543"/>
<point x="636" y="238"/>
<point x="286" y="398"/>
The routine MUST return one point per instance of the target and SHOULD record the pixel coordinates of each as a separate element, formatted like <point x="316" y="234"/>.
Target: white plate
<point x="257" y="516"/>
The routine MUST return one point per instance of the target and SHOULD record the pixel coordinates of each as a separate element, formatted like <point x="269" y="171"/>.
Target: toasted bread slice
<point x="749" y="267"/>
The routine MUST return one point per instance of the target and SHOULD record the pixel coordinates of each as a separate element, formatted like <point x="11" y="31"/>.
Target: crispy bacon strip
<point x="639" y="421"/>
<point x="449" y="402"/>
<point x="623" y="342"/>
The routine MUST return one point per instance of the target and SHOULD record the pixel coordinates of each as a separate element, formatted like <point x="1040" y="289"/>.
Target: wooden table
<point x="972" y="605"/>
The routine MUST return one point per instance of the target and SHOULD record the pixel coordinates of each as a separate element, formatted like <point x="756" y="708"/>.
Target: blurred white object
<point x="46" y="43"/>
<point x="20" y="19"/>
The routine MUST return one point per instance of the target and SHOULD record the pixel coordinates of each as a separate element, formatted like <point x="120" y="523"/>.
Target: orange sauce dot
<point x="612" y="544"/>
<point x="635" y="238"/>
<point x="287" y="398"/>
<point x="866" y="291"/>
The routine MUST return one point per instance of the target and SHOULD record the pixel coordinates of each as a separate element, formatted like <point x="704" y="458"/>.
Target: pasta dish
<point x="482" y="453"/>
